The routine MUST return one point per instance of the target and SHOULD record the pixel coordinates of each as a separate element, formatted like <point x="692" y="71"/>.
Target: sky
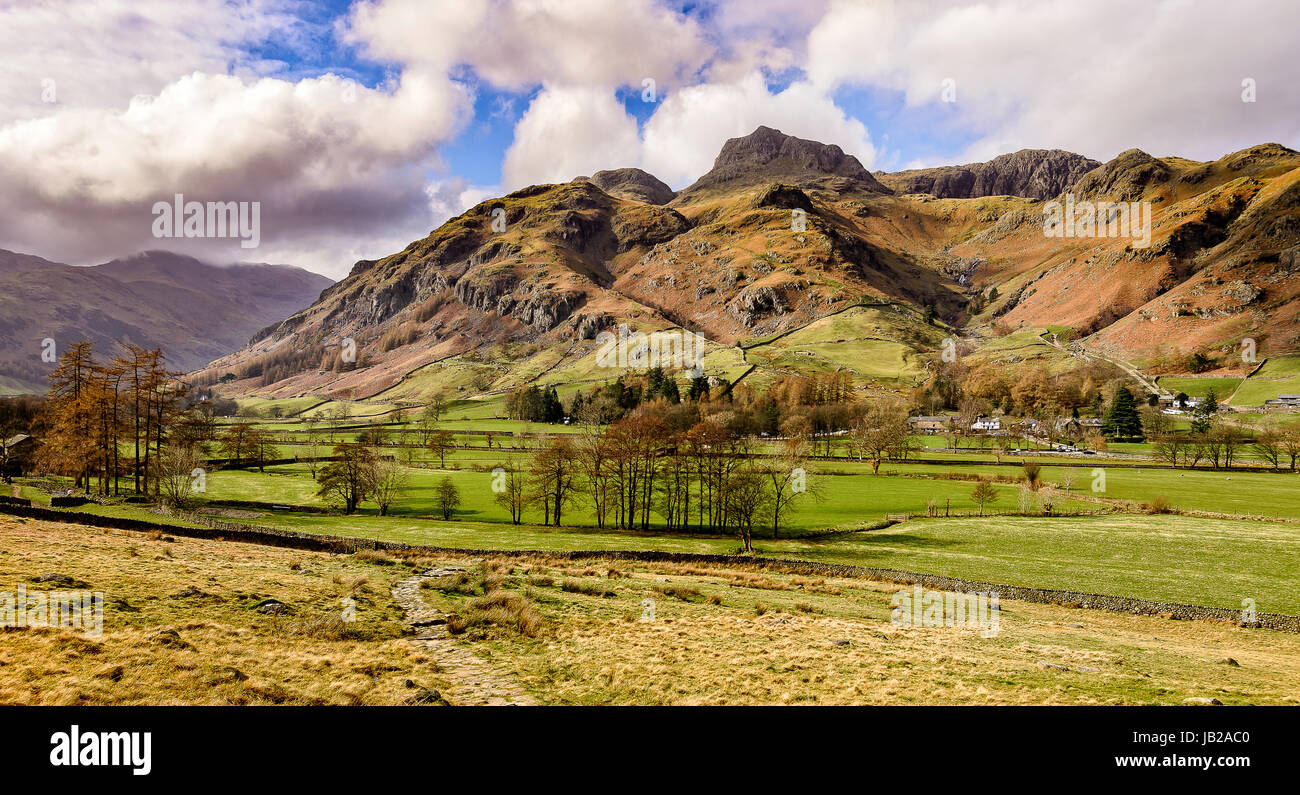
<point x="359" y="126"/>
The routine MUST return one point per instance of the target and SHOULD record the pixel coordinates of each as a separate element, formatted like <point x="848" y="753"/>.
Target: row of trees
<point x="1029" y="390"/>
<point x="99" y="413"/>
<point x="703" y="479"/>
<point x="1221" y="445"/>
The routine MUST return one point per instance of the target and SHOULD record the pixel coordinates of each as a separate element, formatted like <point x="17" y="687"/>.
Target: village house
<point x="928" y="424"/>
<point x="1283" y="401"/>
<point x="16" y="456"/>
<point x="986" y="424"/>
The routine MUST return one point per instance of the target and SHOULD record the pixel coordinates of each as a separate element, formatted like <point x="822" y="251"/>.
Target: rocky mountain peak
<point x="1125" y="178"/>
<point x="767" y="155"/>
<point x="633" y="184"/>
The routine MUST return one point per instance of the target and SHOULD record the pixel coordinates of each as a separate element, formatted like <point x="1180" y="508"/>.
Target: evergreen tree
<point x="1211" y="403"/>
<point x="656" y="377"/>
<point x="670" y="391"/>
<point x="1122" y="420"/>
<point x="575" y="406"/>
<point x="552" y="409"/>
<point x="699" y="388"/>
<point x="1203" y="414"/>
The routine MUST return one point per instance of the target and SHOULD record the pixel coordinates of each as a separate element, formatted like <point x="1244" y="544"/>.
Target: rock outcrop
<point x="1125" y="178"/>
<point x="633" y="184"/>
<point x="767" y="155"/>
<point x="1029" y="173"/>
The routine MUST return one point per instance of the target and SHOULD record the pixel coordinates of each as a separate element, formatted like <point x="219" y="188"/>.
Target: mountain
<point x="767" y="155"/>
<point x="789" y="256"/>
<point x="1031" y="173"/>
<point x="194" y="311"/>
<point x="1221" y="265"/>
<point x="634" y="184"/>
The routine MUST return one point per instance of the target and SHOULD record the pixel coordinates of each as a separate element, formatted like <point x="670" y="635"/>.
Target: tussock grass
<point x="587" y="589"/>
<point x="499" y="609"/>
<point x="683" y="592"/>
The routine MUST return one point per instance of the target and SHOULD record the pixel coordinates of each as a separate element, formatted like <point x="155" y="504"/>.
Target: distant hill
<point x="194" y="311"/>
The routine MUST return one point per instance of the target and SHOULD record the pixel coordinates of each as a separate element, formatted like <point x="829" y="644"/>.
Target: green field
<point x="864" y="340"/>
<point x="1168" y="558"/>
<point x="1280" y="375"/>
<point x="843" y="502"/>
<point x="1200" y="387"/>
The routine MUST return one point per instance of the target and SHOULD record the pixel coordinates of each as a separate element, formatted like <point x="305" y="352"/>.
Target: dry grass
<point x="499" y="609"/>
<point x="182" y="629"/>
<point x="179" y="627"/>
<point x="805" y="640"/>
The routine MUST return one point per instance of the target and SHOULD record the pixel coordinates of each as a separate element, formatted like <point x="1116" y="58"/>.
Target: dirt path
<point x="475" y="681"/>
<point x="1149" y="384"/>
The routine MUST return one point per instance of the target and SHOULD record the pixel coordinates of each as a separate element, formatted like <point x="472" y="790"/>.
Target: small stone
<point x="1229" y="661"/>
<point x="839" y="642"/>
<point x="61" y="580"/>
<point x="1203" y="700"/>
<point x="271" y="607"/>
<point x="228" y="673"/>
<point x="111" y="672"/>
<point x="1088" y="669"/>
<point x="426" y="696"/>
<point x="1046" y="666"/>
<point x="169" y="637"/>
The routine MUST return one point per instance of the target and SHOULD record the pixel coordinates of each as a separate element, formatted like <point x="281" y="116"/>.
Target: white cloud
<point x="449" y="198"/>
<point x="516" y="44"/>
<point x="326" y="158"/>
<point x="1096" y="77"/>
<point x="156" y="97"/>
<point x="683" y="137"/>
<point x="101" y="53"/>
<point x="569" y="132"/>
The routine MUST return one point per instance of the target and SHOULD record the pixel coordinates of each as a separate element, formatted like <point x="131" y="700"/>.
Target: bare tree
<point x="176" y="470"/>
<point x="347" y="481"/>
<point x="1290" y="444"/>
<point x="313" y="445"/>
<point x="511" y="490"/>
<point x="389" y="481"/>
<point x="882" y="432"/>
<point x="787" y="479"/>
<point x="1268" y="446"/>
<point x="746" y="495"/>
<point x="554" y="478"/>
<point x="440" y="443"/>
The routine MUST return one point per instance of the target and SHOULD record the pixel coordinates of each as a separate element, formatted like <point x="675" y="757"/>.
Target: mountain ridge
<point x="194" y="311"/>
<point x="727" y="259"/>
